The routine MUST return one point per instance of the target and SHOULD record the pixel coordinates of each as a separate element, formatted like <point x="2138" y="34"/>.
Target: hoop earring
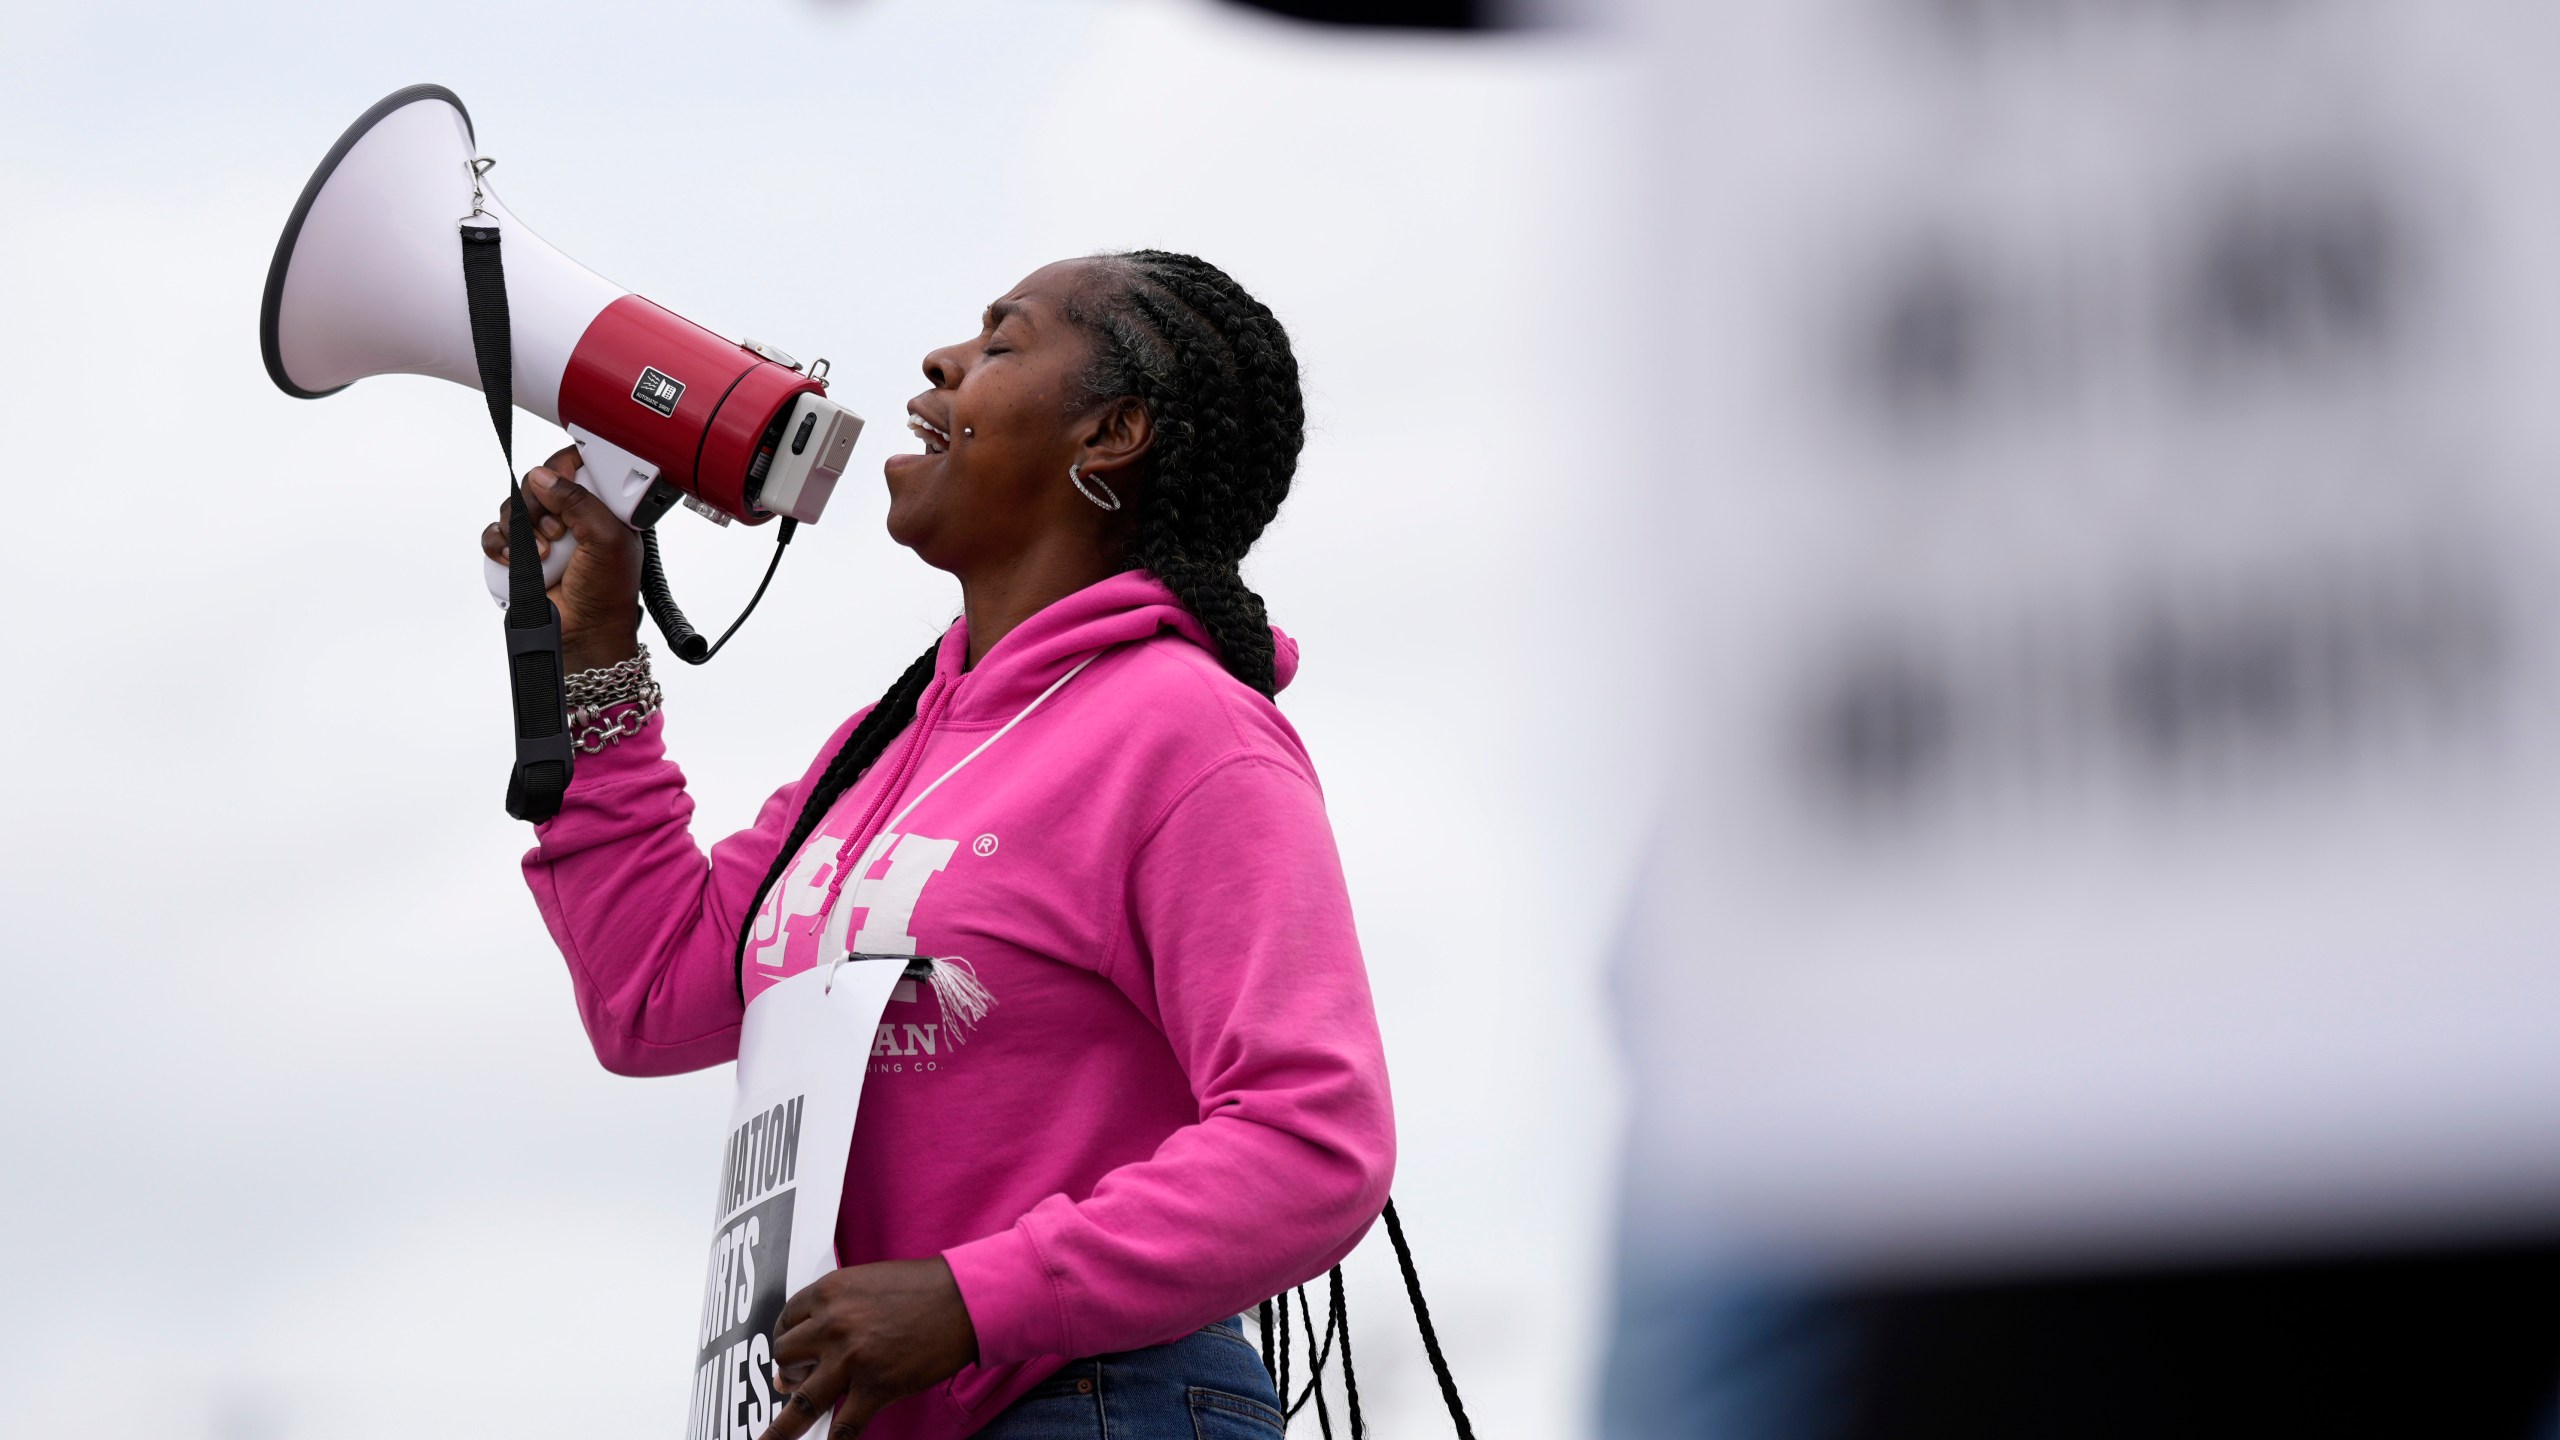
<point x="1106" y="499"/>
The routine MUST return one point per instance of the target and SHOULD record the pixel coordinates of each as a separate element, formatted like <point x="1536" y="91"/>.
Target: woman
<point x="1177" y="1104"/>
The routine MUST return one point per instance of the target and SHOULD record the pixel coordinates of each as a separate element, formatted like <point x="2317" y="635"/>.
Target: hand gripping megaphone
<point x="366" y="281"/>
<point x="399" y="259"/>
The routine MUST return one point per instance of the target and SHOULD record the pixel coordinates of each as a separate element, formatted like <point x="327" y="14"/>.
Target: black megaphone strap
<point x="544" y="751"/>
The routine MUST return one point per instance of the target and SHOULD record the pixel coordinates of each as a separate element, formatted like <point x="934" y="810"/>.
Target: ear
<point x="1116" y="438"/>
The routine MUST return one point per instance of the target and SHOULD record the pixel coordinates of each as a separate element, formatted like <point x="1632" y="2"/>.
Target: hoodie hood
<point x="1128" y="607"/>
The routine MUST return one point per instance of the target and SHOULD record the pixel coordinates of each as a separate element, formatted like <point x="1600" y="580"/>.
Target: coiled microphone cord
<point x="683" y="640"/>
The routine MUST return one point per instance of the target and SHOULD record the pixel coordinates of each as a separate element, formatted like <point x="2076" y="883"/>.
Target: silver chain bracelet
<point x="625" y="688"/>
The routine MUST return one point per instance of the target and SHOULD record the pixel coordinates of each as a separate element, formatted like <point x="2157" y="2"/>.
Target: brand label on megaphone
<point x="658" y="391"/>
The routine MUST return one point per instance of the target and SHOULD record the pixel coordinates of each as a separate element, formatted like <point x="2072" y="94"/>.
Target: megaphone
<point x="367" y="280"/>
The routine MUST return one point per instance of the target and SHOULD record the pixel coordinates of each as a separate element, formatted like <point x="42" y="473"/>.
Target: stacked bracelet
<point x="625" y="690"/>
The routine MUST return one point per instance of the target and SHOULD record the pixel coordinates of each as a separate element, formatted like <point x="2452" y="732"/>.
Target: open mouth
<point x="935" y="439"/>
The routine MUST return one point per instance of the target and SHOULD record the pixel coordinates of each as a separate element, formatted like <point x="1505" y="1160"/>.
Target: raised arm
<point x="646" y="920"/>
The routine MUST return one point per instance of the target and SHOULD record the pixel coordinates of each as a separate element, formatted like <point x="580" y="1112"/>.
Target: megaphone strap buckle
<point x="543" y="639"/>
<point x="479" y="165"/>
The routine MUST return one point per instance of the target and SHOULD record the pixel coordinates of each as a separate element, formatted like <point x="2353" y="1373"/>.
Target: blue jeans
<point x="1208" y="1385"/>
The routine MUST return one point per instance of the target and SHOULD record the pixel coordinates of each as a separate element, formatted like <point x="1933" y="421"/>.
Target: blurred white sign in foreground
<point x="2113" y="451"/>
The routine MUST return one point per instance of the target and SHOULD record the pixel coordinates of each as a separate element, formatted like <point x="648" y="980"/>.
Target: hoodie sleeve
<point x="646" y="920"/>
<point x="1239" y="942"/>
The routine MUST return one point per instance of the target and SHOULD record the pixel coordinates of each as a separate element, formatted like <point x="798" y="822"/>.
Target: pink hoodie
<point x="1178" y="1104"/>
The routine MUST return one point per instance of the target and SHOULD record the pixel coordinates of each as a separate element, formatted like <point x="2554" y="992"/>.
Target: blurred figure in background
<point x="2100" y="969"/>
<point x="1388" y="14"/>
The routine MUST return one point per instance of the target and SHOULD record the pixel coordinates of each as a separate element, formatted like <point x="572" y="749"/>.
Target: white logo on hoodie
<point x="887" y="902"/>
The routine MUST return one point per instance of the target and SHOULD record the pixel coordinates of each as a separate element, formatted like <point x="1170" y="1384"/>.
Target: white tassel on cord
<point x="965" y="998"/>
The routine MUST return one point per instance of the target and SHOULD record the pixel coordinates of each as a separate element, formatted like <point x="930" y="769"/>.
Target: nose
<point x="945" y="366"/>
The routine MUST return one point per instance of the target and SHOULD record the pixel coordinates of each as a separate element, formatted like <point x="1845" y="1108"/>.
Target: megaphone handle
<point x="554" y="565"/>
<point x="619" y="498"/>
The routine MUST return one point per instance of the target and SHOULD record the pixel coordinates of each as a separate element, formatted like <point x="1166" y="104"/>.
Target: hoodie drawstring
<point x="910" y="755"/>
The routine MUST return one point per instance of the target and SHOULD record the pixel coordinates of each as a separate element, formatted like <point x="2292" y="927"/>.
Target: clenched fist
<point x="599" y="594"/>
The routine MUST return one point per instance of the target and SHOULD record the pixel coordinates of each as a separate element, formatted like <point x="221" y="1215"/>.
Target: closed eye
<point x="992" y="327"/>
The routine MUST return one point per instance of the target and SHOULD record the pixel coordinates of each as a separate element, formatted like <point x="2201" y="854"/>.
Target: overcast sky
<point x="301" y="1136"/>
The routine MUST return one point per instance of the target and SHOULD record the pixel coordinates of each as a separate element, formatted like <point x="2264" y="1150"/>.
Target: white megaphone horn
<point x="368" y="280"/>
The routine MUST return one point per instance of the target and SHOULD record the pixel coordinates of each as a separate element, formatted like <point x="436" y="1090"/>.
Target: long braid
<point x="1214" y="368"/>
<point x="895" y="711"/>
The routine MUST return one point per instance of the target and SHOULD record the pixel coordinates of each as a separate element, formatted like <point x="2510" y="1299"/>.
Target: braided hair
<point x="1215" y="371"/>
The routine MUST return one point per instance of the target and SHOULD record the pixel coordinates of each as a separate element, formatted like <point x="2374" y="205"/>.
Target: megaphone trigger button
<point x="800" y="438"/>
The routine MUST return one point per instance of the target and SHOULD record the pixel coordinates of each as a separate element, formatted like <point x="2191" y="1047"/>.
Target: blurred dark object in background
<point x="1407" y="14"/>
<point x="2441" y="1341"/>
<point x="2449" y="1344"/>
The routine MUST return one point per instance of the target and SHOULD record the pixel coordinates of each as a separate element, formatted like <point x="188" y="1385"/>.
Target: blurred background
<point x="1929" y="625"/>
<point x="2096" y="974"/>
